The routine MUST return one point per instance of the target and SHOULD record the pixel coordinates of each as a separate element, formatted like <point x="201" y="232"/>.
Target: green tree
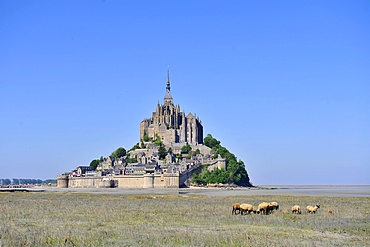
<point x="197" y="179"/>
<point x="146" y="138"/>
<point x="162" y="152"/>
<point x="235" y="173"/>
<point x="94" y="164"/>
<point x="185" y="149"/>
<point x="136" y="146"/>
<point x="131" y="160"/>
<point x="179" y="157"/>
<point x="157" y="141"/>
<point x="119" y="152"/>
<point x="211" y="142"/>
<point x="214" y="152"/>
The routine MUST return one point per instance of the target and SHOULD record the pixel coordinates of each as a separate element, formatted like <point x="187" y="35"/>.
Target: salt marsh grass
<point x="77" y="219"/>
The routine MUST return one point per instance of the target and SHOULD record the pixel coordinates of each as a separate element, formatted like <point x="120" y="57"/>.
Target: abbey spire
<point x="168" y="97"/>
<point x="168" y="86"/>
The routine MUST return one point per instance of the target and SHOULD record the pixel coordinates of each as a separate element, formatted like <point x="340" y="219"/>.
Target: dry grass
<point x="76" y="219"/>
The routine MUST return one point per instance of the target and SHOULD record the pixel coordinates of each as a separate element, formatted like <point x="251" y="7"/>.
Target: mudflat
<point x="281" y="190"/>
<point x="185" y="217"/>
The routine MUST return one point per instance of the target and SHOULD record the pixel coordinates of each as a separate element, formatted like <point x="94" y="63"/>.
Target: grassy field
<point x="77" y="219"/>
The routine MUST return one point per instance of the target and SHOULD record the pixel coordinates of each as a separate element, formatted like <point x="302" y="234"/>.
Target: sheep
<point x="330" y="211"/>
<point x="312" y="209"/>
<point x="264" y="208"/>
<point x="246" y="208"/>
<point x="274" y="205"/>
<point x="236" y="207"/>
<point x="296" y="209"/>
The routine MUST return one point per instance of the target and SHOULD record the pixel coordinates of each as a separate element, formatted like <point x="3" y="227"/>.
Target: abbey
<point x="144" y="165"/>
<point x="171" y="124"/>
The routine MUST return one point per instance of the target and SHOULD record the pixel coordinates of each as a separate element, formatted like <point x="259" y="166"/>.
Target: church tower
<point x="168" y="97"/>
<point x="171" y="124"/>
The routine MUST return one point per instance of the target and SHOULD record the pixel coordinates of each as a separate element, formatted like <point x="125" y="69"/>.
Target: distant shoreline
<point x="271" y="190"/>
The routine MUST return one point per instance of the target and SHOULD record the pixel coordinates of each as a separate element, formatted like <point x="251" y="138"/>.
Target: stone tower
<point x="171" y="124"/>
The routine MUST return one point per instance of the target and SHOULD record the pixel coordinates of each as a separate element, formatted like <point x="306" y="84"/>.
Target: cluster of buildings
<point x="175" y="130"/>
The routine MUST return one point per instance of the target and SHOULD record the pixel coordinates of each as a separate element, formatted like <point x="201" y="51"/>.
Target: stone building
<point x="175" y="130"/>
<point x="171" y="124"/>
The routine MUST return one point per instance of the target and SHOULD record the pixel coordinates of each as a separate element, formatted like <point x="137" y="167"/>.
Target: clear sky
<point x="284" y="85"/>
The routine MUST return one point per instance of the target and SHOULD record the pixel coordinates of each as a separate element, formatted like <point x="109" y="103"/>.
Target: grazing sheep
<point x="312" y="209"/>
<point x="264" y="208"/>
<point x="246" y="208"/>
<point x="274" y="205"/>
<point x="296" y="209"/>
<point x="330" y="211"/>
<point x="236" y="207"/>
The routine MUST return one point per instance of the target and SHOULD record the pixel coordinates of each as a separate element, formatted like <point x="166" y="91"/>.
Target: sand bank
<point x="286" y="190"/>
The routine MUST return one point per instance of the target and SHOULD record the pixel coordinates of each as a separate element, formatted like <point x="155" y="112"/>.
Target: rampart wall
<point x="123" y="181"/>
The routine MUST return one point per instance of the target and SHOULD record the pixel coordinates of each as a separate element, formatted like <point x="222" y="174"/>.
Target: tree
<point x="235" y="172"/>
<point x="214" y="152"/>
<point x="131" y="160"/>
<point x="211" y="142"/>
<point x="94" y="163"/>
<point x="120" y="152"/>
<point x="179" y="157"/>
<point x="146" y="138"/>
<point x="185" y="149"/>
<point x="6" y="181"/>
<point x="158" y="140"/>
<point x="162" y="152"/>
<point x="136" y="146"/>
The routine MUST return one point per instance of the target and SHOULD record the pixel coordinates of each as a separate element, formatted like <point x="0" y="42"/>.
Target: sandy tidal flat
<point x="184" y="217"/>
<point x="287" y="190"/>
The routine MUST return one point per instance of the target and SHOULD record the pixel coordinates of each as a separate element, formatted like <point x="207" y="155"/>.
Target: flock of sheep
<point x="268" y="207"/>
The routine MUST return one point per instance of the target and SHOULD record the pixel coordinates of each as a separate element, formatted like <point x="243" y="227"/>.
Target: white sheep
<point x="236" y="207"/>
<point x="312" y="209"/>
<point x="296" y="209"/>
<point x="274" y="205"/>
<point x="264" y="208"/>
<point x="246" y="208"/>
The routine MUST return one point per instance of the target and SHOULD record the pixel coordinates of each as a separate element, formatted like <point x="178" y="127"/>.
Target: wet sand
<point x="282" y="190"/>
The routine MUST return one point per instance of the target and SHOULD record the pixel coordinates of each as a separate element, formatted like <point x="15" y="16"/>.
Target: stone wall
<point x="90" y="182"/>
<point x="130" y="181"/>
<point x="122" y="181"/>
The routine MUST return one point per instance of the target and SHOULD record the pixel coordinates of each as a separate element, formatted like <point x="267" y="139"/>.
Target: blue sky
<point x="284" y="85"/>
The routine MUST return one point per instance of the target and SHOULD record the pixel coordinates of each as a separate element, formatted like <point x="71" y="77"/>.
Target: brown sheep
<point x="264" y="208"/>
<point x="236" y="207"/>
<point x="330" y="211"/>
<point x="296" y="209"/>
<point x="312" y="209"/>
<point x="274" y="205"/>
<point x="246" y="208"/>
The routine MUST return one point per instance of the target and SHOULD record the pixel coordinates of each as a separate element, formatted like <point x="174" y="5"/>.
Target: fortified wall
<point x="148" y="180"/>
